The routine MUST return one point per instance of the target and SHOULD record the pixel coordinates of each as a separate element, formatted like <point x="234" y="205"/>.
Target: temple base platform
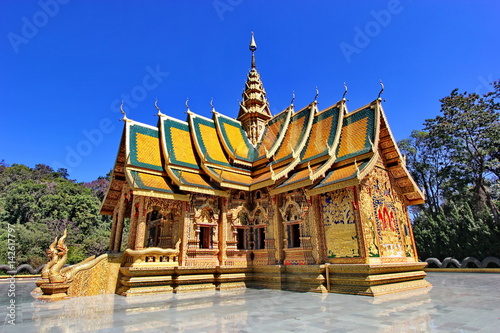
<point x="375" y="279"/>
<point x="112" y="274"/>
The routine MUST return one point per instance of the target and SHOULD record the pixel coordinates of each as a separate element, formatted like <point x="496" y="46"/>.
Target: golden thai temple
<point x="305" y="200"/>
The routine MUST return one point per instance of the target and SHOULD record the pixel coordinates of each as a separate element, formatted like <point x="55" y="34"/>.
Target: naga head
<point x="52" y="248"/>
<point x="61" y="247"/>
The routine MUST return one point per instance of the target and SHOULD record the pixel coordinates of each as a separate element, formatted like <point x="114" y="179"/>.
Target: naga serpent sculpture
<point x="62" y="255"/>
<point x="54" y="270"/>
<point x="52" y="254"/>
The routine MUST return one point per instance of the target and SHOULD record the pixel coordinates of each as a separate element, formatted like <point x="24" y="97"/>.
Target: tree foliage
<point x="40" y="203"/>
<point x="456" y="161"/>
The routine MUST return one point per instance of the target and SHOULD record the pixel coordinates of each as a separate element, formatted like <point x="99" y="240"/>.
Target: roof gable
<point x="234" y="139"/>
<point x="178" y="147"/>
<point x="143" y="146"/>
<point x="357" y="134"/>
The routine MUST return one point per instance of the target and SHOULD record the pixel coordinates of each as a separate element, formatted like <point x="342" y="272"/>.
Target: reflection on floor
<point x="458" y="302"/>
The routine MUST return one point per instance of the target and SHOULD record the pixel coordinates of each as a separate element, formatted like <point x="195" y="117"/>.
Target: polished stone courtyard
<point x="457" y="302"/>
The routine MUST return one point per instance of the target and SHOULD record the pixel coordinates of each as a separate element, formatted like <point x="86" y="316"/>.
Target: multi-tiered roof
<point x="318" y="150"/>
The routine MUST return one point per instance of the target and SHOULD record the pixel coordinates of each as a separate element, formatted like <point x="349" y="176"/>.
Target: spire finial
<point x="158" y="109"/>
<point x="123" y="112"/>
<point x="381" y="90"/>
<point x="212" y="105"/>
<point x="253" y="47"/>
<point x="345" y="92"/>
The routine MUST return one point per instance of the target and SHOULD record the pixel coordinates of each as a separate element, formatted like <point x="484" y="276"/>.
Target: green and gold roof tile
<point x="295" y="134"/>
<point x="144" y="147"/>
<point x="177" y="140"/>
<point x="146" y="181"/>
<point x="207" y="140"/>
<point x="357" y="135"/>
<point x="322" y="135"/>
<point x="271" y="133"/>
<point x="235" y="139"/>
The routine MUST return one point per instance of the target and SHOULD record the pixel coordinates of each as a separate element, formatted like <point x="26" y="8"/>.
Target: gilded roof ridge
<point x="131" y="122"/>
<point x="370" y="105"/>
<point x="166" y="117"/>
<point x="281" y="134"/>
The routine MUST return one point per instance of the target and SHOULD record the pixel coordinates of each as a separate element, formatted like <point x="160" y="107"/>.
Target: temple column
<point x="317" y="231"/>
<point x="360" y="229"/>
<point x="133" y="223"/>
<point x="119" y="225"/>
<point x="222" y="231"/>
<point x="184" y="225"/>
<point x="279" y="234"/>
<point x="141" y="224"/>
<point x="113" y="230"/>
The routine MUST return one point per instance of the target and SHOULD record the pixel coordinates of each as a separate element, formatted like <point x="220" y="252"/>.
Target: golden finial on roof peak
<point x="316" y="96"/>
<point x="123" y="112"/>
<point x="345" y="93"/>
<point x="159" y="114"/>
<point x="212" y="105"/>
<point x="381" y="91"/>
<point x="253" y="47"/>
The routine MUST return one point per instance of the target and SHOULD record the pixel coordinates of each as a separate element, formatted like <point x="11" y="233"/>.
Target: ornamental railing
<point x="468" y="262"/>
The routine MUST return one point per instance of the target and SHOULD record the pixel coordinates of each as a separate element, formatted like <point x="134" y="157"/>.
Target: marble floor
<point x="457" y="302"/>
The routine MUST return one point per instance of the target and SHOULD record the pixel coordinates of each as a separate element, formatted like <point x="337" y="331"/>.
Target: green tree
<point x="41" y="203"/>
<point x="455" y="160"/>
<point x="469" y="128"/>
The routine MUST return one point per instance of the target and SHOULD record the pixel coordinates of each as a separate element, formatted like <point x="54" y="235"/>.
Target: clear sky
<point x="65" y="65"/>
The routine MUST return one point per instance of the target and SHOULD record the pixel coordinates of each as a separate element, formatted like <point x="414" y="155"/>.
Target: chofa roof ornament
<point x="381" y="91"/>
<point x="345" y="93"/>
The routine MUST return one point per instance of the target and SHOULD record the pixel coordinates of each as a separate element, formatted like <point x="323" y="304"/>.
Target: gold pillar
<point x="184" y="225"/>
<point x="360" y="229"/>
<point x="279" y="234"/>
<point x="119" y="225"/>
<point x="113" y="230"/>
<point x="134" y="216"/>
<point x="141" y="224"/>
<point x="222" y="231"/>
<point x="317" y="231"/>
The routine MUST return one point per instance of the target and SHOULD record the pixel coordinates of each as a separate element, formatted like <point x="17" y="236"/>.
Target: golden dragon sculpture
<point x="55" y="271"/>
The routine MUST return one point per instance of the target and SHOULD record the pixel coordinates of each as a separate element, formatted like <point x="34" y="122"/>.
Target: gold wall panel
<point x="339" y="219"/>
<point x="386" y="224"/>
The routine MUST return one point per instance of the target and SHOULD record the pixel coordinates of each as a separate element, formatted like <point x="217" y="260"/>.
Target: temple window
<point x="240" y="238"/>
<point x="259" y="232"/>
<point x="294" y="235"/>
<point x="205" y="240"/>
<point x="260" y="236"/>
<point x="293" y="222"/>
<point x="154" y="220"/>
<point x="243" y="231"/>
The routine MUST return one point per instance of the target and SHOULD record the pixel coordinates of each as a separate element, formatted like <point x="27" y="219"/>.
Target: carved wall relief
<point x="385" y="217"/>
<point x="295" y="212"/>
<point x="297" y="243"/>
<point x="367" y="216"/>
<point x="163" y="222"/>
<point x="339" y="219"/>
<point x="205" y="219"/>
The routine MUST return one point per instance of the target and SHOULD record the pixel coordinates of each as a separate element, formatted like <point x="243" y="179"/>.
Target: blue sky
<point x="66" y="64"/>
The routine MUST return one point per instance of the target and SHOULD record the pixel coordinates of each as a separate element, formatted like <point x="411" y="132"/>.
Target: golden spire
<point x="254" y="108"/>
<point x="253" y="47"/>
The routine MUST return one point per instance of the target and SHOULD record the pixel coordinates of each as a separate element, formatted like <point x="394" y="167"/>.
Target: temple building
<point x="309" y="199"/>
